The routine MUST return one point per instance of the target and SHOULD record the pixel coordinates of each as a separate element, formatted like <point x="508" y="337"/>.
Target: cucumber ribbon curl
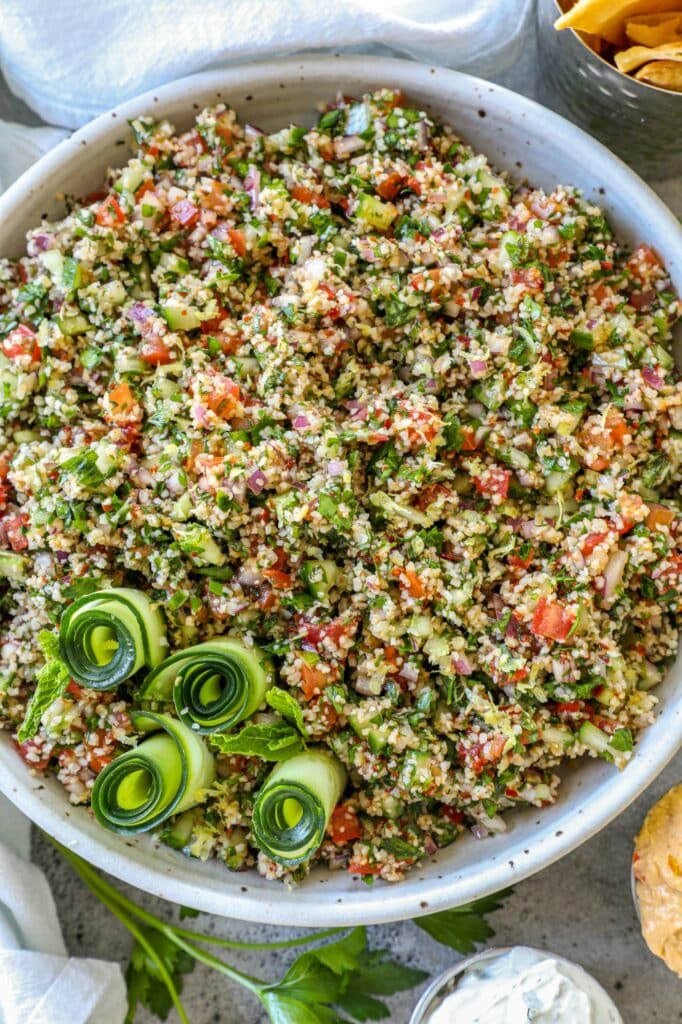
<point x="293" y="807"/>
<point x="164" y="774"/>
<point x="107" y="636"/>
<point x="214" y="685"/>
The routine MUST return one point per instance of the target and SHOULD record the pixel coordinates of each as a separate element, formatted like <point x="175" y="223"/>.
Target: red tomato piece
<point x="592" y="541"/>
<point x="21" y="342"/>
<point x="313" y="681"/>
<point x="303" y="194"/>
<point x="522" y="562"/>
<point x="452" y="814"/>
<point x="551" y="620"/>
<point x="109" y="213"/>
<point x="12" y="531"/>
<point x="495" y="481"/>
<point x="280" y="580"/>
<point x="530" y="277"/>
<point x="344" y="826"/>
<point x="155" y="352"/>
<point x="237" y="240"/>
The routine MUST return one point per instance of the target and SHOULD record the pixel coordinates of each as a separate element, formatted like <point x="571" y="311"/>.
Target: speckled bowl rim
<point x="593" y="794"/>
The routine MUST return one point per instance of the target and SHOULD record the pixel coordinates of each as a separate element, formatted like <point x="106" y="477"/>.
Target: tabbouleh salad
<point x="396" y="441"/>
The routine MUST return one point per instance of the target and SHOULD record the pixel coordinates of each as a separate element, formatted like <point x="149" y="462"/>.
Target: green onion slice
<point x="163" y="775"/>
<point x="293" y="808"/>
<point x="214" y="685"/>
<point x="107" y="636"/>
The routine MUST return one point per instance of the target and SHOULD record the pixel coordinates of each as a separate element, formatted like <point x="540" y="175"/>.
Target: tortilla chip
<point x="629" y="60"/>
<point x="655" y="29"/>
<point x="666" y="74"/>
<point x="607" y="18"/>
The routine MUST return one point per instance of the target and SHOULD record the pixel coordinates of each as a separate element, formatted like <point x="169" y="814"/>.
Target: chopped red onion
<point x="652" y="378"/>
<point x="201" y="415"/>
<point x="139" y="313"/>
<point x="174" y="484"/>
<point x="429" y="846"/>
<point x="335" y="467"/>
<point x="479" y="832"/>
<point x="476" y="410"/>
<point x="475" y="293"/>
<point x="436" y="197"/>
<point x="256" y="481"/>
<point x="358" y="409"/>
<point x="252" y="185"/>
<point x="300" y="422"/>
<point x="409" y="673"/>
<point x="461" y="664"/>
<point x="252" y="132"/>
<point x="478" y="367"/>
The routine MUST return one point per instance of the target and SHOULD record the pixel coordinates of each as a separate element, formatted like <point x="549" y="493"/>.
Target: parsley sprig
<point x="334" y="983"/>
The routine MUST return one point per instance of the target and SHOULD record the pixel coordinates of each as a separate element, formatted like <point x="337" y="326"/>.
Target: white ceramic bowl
<point x="530" y="142"/>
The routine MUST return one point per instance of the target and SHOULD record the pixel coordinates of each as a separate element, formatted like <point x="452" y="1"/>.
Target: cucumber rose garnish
<point x="293" y="808"/>
<point x="107" y="636"/>
<point x="214" y="685"/>
<point x="164" y="774"/>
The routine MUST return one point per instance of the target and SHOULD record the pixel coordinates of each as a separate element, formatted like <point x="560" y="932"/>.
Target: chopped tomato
<point x="124" y="407"/>
<point x="452" y="814"/>
<point x="267" y="599"/>
<point x="395" y="182"/>
<point x="659" y="515"/>
<point x="75" y="690"/>
<point x="424" y="425"/>
<point x="344" y="826"/>
<point x="530" y="277"/>
<point x="209" y="326"/>
<point x="280" y="580"/>
<point x="109" y="213"/>
<point x="495" y="481"/>
<point x="34" y="754"/>
<point x="12" y="531"/>
<point x="572" y="707"/>
<point x="616" y="425"/>
<point x="184" y="213"/>
<point x="552" y="620"/>
<point x="469" y="442"/>
<point x="592" y="541"/>
<point x="155" y="352"/>
<point x="478" y="755"/>
<point x="313" y="681"/>
<point x="21" y="342"/>
<point x="237" y="241"/>
<point x="224" y="399"/>
<point x="642" y="260"/>
<point x="413" y="584"/>
<point x="223" y="129"/>
<point x="314" y="634"/>
<point x="357" y="868"/>
<point x="100" y="747"/>
<point x="522" y="561"/>
<point x="303" y="194"/>
<point x="146" y="186"/>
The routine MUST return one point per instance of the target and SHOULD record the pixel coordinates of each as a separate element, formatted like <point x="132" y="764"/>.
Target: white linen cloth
<point x="39" y="982"/>
<point x="70" y="60"/>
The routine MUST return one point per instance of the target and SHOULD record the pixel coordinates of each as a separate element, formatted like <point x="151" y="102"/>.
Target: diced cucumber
<point x="12" y="566"/>
<point x="173" y="263"/>
<point x="76" y="323"/>
<point x="603" y="744"/>
<point x="53" y="261"/>
<point x="490" y="392"/>
<point x="391" y="509"/>
<point x="25" y="436"/>
<point x="416" y="774"/>
<point x="558" y="479"/>
<point x="196" y="540"/>
<point x="178" y="834"/>
<point x="125" y="363"/>
<point x="319" y="575"/>
<point x="376" y="734"/>
<point x="557" y="734"/>
<point x="373" y="211"/>
<point x="664" y="357"/>
<point x="420" y="626"/>
<point x="182" y="508"/>
<point x="570" y="416"/>
<point x="179" y="316"/>
<point x="131" y="177"/>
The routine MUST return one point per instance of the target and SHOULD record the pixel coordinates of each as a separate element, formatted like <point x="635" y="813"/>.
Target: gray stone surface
<point x="580" y="908"/>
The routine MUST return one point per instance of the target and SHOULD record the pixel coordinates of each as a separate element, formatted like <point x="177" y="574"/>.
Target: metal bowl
<point x="447" y="982"/>
<point x="640" y="122"/>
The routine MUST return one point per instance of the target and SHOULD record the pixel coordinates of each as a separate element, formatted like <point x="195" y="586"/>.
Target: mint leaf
<point x="287" y="706"/>
<point x="463" y="928"/>
<point x="363" y="1007"/>
<point x="622" y="740"/>
<point x="51" y="681"/>
<point x="399" y="848"/>
<point x="272" y="742"/>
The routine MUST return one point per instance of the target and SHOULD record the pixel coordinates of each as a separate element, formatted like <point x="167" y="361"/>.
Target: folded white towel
<point x="39" y="982"/>
<point x="71" y="60"/>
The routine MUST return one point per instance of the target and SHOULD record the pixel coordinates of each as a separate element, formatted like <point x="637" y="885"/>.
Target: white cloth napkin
<point x="39" y="982"/>
<point x="70" y="60"/>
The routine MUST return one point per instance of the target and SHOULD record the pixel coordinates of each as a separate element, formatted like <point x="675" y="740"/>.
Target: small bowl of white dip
<point x="513" y="985"/>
